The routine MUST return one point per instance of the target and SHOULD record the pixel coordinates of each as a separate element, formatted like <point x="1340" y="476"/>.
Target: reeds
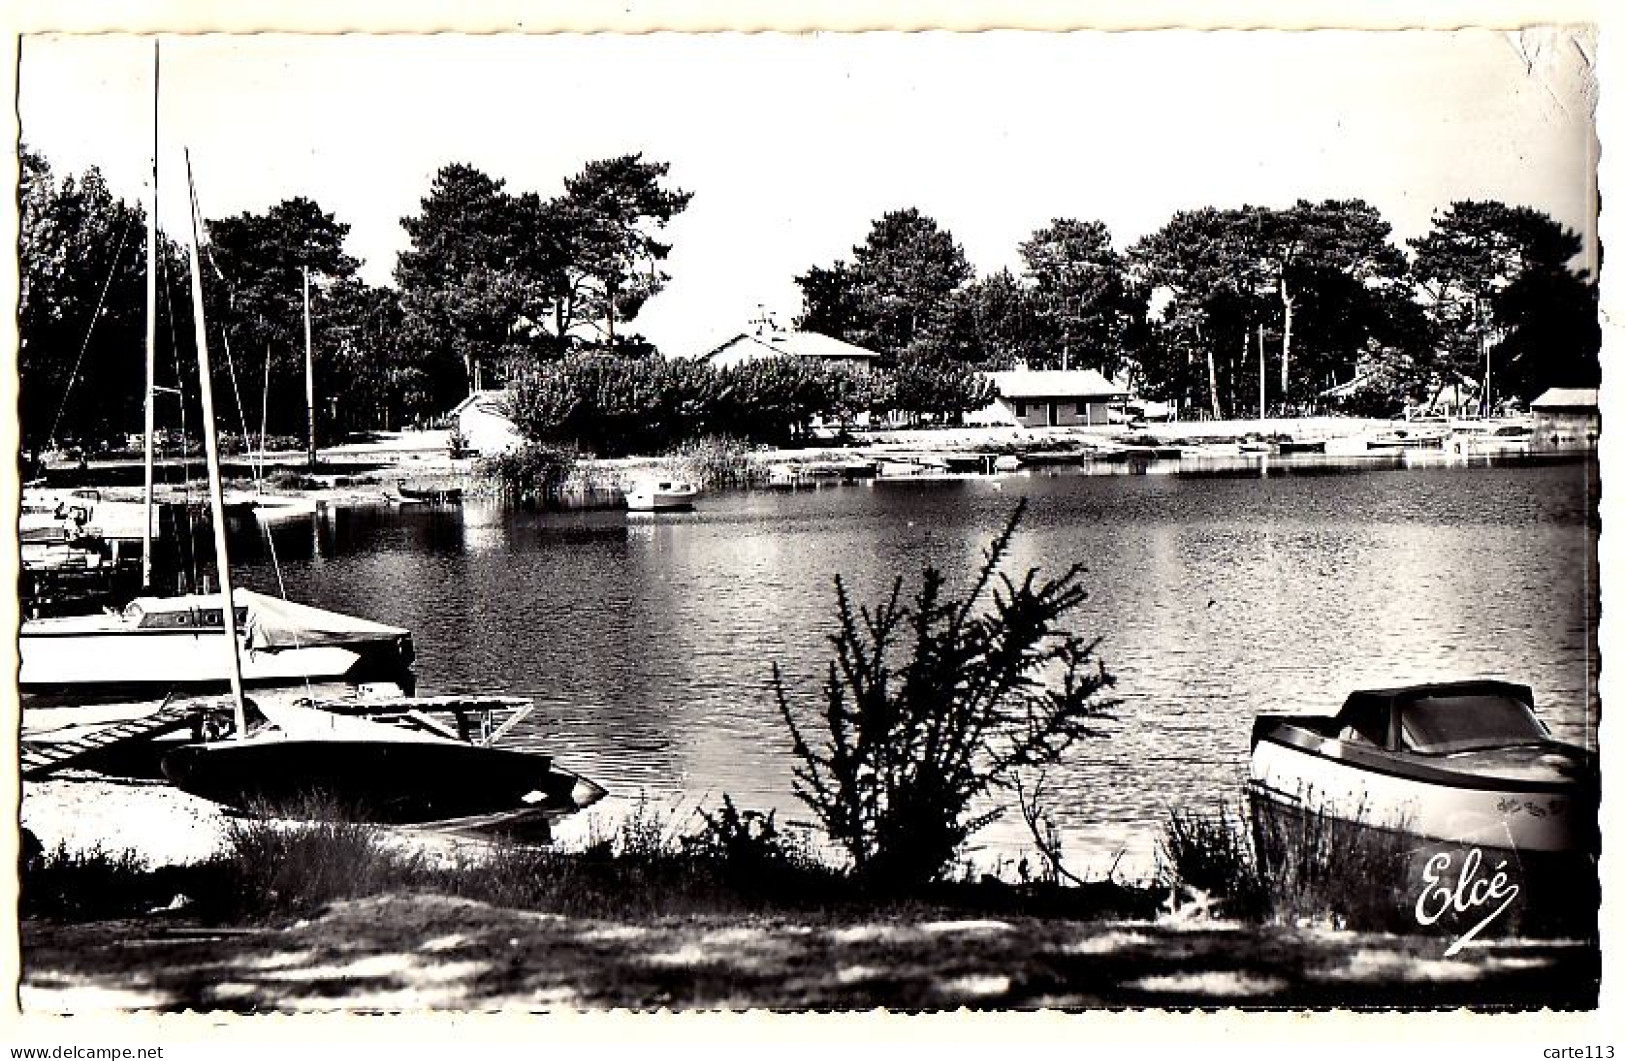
<point x="1296" y="868"/>
<point x="714" y="462"/>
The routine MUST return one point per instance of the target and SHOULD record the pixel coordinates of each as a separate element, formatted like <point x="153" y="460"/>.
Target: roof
<point x="798" y="344"/>
<point x="1567" y="398"/>
<point x="486" y="400"/>
<point x="1055" y="383"/>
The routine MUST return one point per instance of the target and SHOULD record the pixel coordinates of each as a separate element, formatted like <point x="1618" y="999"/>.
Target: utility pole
<point x="310" y="372"/>
<point x="1262" y="375"/>
<point x="152" y="338"/>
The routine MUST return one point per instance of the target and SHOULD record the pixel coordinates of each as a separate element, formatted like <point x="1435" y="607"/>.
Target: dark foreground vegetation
<point x="328" y="915"/>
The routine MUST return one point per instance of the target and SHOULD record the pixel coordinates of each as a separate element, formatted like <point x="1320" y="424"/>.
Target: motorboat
<point x="661" y="495"/>
<point x="385" y="773"/>
<point x="168" y="644"/>
<point x="787" y="477"/>
<point x="1490" y="436"/>
<point x="1412" y="437"/>
<point x="1466" y="763"/>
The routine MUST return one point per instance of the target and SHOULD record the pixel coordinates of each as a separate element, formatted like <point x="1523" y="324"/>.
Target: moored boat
<point x="1422" y="437"/>
<point x="1464" y="763"/>
<point x="1490" y="436"/>
<point x="431" y="494"/>
<point x="661" y="495"/>
<point x="158" y="645"/>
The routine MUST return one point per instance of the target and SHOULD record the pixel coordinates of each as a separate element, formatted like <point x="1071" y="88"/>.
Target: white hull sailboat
<point x="158" y="645"/>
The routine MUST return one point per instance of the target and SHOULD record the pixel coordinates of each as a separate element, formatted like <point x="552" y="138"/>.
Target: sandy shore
<point x="398" y="953"/>
<point x="163" y="826"/>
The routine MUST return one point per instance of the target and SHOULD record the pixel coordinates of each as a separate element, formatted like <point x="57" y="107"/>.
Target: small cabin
<point x="1051" y="398"/>
<point x="483" y="422"/>
<point x="1567" y="416"/>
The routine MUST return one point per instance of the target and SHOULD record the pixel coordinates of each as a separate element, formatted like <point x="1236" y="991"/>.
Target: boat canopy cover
<point x="1363" y="701"/>
<point x="1375" y="713"/>
<point x="268" y="622"/>
<point x="276" y="623"/>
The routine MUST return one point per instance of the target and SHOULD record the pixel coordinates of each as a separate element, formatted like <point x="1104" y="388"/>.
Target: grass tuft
<point x="1291" y="869"/>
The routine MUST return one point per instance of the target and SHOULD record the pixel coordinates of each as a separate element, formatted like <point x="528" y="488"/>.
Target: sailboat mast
<point x="310" y="373"/>
<point x="217" y="503"/>
<point x="152" y="336"/>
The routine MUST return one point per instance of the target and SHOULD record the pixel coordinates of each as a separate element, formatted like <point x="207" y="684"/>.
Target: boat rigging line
<point x="96" y="315"/>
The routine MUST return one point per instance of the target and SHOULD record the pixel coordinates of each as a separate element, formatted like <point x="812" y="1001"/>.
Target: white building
<point x="772" y="342"/>
<point x="482" y="420"/>
<point x="1050" y="398"/>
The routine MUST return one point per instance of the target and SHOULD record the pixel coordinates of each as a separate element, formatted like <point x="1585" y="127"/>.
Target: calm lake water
<point x="646" y="641"/>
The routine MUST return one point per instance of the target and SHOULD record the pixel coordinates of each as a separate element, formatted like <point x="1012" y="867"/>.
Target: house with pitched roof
<point x="1050" y="398"/>
<point x="767" y="341"/>
<point x="482" y="420"/>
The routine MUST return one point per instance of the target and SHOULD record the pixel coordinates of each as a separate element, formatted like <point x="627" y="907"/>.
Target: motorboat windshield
<point x="1447" y="723"/>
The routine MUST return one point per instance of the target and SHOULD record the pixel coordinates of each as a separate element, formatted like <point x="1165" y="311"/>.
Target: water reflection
<point x="648" y="642"/>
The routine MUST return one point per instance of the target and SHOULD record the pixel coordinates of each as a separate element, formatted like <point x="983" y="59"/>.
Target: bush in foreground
<point x="931" y="706"/>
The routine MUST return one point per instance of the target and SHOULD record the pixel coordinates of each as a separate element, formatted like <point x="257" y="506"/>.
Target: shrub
<point x="1213" y="855"/>
<point x="715" y="461"/>
<point x="1325" y="868"/>
<point x="931" y="705"/>
<point x="295" y="858"/>
<point x="533" y="472"/>
<point x="88" y="885"/>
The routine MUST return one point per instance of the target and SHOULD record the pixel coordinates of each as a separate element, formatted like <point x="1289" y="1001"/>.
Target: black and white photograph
<point x="1001" y="521"/>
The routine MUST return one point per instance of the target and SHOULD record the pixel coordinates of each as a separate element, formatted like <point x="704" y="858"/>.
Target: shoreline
<point x="369" y="473"/>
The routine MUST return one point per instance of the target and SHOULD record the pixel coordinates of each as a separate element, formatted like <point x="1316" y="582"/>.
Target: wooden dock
<point x="41" y="757"/>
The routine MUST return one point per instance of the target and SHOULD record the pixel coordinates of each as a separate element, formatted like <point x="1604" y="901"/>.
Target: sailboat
<point x="387" y="773"/>
<point x="160" y="644"/>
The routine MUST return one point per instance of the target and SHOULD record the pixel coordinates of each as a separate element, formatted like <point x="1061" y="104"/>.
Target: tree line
<point x="492" y="281"/>
<point x="1224" y="312"/>
<point x="1238" y="312"/>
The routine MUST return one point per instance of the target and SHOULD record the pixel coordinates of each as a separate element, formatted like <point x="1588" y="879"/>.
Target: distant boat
<point x="1007" y="463"/>
<point x="787" y="477"/>
<point x="1490" y="436"/>
<point x="389" y="774"/>
<point x="1427" y="437"/>
<point x="1461" y="762"/>
<point x="661" y="495"/>
<point x="440" y="495"/>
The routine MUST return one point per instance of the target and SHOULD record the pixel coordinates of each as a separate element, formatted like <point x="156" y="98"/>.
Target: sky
<point x="794" y="144"/>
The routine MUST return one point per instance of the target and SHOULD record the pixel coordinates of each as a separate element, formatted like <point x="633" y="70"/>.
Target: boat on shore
<point x="1459" y="763"/>
<point x="391" y="774"/>
<point x="661" y="495"/>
